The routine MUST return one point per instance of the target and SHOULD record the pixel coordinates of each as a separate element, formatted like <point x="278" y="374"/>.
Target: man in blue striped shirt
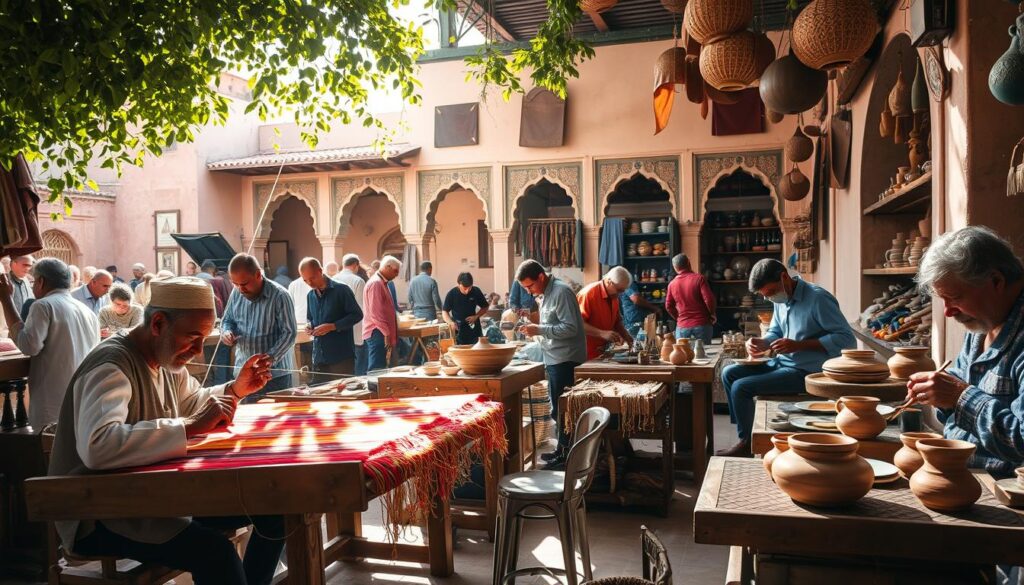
<point x="260" y="318"/>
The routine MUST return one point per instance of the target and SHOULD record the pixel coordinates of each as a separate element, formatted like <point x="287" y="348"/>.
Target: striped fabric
<point x="265" y="325"/>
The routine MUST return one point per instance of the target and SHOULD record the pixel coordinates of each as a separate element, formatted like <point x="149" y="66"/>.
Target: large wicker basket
<point x="596" y="6"/>
<point x="729" y="64"/>
<point x="710" y="20"/>
<point x="829" y="34"/>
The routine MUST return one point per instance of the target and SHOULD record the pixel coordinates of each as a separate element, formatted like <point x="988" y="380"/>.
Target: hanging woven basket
<point x="794" y="186"/>
<point x="669" y="74"/>
<point x="710" y="20"/>
<point x="790" y="87"/>
<point x="828" y="34"/>
<point x="729" y="64"/>
<point x="674" y="6"/>
<point x="596" y="6"/>
<point x="799" y="147"/>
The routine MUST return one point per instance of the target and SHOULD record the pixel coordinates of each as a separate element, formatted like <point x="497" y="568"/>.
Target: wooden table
<point x="13" y="364"/>
<point x="739" y="505"/>
<point x="417" y="333"/>
<point x="507" y="388"/>
<point x="882" y="447"/>
<point x="700" y="377"/>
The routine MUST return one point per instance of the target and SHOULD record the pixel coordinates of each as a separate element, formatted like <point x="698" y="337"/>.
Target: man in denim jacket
<point x="980" y="280"/>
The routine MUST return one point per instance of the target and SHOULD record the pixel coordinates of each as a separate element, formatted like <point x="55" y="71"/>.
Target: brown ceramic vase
<point x="666" y="350"/>
<point x="685" y="343"/>
<point x="910" y="360"/>
<point x="822" y="469"/>
<point x="780" y="444"/>
<point x="907" y="459"/>
<point x="944" y="483"/>
<point x="858" y="417"/>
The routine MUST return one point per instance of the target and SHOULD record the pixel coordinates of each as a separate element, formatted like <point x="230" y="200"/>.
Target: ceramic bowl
<point x="451" y="370"/>
<point x="431" y="368"/>
<point x="648" y="227"/>
<point x="483" y="358"/>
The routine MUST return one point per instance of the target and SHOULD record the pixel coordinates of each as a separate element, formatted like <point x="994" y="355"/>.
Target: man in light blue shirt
<point x="424" y="298"/>
<point x="93" y="294"/>
<point x="807" y="328"/>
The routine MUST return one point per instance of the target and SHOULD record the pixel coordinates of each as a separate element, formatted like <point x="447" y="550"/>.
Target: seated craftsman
<point x="599" y="305"/>
<point x="981" y="282"/>
<point x="807" y="328"/>
<point x="131" y="402"/>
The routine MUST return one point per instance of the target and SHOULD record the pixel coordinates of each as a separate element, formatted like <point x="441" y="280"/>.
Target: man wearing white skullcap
<point x="131" y="402"/>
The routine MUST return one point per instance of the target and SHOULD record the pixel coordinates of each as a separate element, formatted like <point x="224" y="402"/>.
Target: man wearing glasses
<point x="599" y="305"/>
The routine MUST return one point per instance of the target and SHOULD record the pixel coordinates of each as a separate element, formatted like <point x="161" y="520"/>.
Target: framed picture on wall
<point x="167" y="223"/>
<point x="167" y="259"/>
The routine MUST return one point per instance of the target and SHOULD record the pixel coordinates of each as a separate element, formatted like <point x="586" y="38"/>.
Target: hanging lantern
<point x="596" y="6"/>
<point x="674" y="6"/>
<point x="669" y="72"/>
<point x="799" y="147"/>
<point x="775" y="117"/>
<point x="794" y="186"/>
<point x="728" y="64"/>
<point x="710" y="20"/>
<point x="828" y="34"/>
<point x="790" y="87"/>
<point x="901" y="107"/>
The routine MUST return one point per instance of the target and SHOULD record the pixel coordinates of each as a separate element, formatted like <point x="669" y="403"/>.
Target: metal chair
<point x="560" y="494"/>
<point x="656" y="568"/>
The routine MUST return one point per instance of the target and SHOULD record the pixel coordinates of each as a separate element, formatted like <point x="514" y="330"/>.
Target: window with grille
<point x="57" y="244"/>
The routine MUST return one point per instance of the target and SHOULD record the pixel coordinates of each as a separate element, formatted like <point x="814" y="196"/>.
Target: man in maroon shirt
<point x="690" y="301"/>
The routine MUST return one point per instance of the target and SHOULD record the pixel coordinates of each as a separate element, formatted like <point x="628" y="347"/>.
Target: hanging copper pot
<point x="799" y="147"/>
<point x="710" y="20"/>
<point x="790" y="87"/>
<point x="794" y="186"/>
<point x="828" y="34"/>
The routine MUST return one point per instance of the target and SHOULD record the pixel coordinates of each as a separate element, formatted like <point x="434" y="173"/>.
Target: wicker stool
<point x="560" y="495"/>
<point x="656" y="568"/>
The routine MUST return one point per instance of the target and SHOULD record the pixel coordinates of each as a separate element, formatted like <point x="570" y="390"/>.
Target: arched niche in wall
<point x="432" y="186"/>
<point x="540" y="201"/>
<point x="267" y="198"/>
<point x="521" y="180"/>
<point x="293" y="223"/>
<point x="610" y="174"/>
<point x="638" y="195"/>
<point x="58" y="244"/>
<point x="346" y="191"/>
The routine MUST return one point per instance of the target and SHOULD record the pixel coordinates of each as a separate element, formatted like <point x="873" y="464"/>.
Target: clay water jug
<point x="918" y="150"/>
<point x="678" y="355"/>
<point x="666" y="349"/>
<point x="780" y="444"/>
<point x="822" y="469"/>
<point x="944" y="483"/>
<point x="909" y="360"/>
<point x="858" y="417"/>
<point x="907" y="459"/>
<point x="686" y="349"/>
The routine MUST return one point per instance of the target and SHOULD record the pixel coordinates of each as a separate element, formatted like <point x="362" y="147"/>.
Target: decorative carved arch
<point x="434" y="185"/>
<point x="753" y="172"/>
<point x="612" y="173"/>
<point x="765" y="165"/>
<point x="520" y="179"/>
<point x="429" y="223"/>
<point x="60" y="245"/>
<point x="346" y="192"/>
<point x="304" y="191"/>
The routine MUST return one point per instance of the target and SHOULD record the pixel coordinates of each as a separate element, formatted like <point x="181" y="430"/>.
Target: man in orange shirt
<point x="599" y="304"/>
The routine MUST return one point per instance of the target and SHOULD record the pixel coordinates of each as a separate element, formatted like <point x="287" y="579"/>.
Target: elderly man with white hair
<point x="93" y="293"/>
<point x="58" y="333"/>
<point x="380" y="322"/>
<point x="599" y="304"/>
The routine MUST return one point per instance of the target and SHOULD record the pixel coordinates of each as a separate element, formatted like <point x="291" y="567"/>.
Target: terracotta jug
<point x="910" y="360"/>
<point x="678" y="355"/>
<point x="687" y="349"/>
<point x="822" y="469"/>
<point x="918" y="151"/>
<point x="666" y="349"/>
<point x="944" y="483"/>
<point x="780" y="444"/>
<point x="858" y="417"/>
<point x="907" y="459"/>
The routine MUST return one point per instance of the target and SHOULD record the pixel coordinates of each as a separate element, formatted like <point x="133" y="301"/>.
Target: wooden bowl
<point x="483" y="358"/>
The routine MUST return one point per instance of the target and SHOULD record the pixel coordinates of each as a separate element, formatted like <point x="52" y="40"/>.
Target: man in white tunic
<point x="57" y="334"/>
<point x="131" y="403"/>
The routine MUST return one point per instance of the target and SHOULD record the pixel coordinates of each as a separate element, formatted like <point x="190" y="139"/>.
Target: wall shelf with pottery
<point x="913" y="197"/>
<point x="902" y="271"/>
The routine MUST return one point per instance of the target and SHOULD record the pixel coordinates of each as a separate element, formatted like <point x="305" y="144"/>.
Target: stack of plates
<point x="884" y="472"/>
<point x="856" y="366"/>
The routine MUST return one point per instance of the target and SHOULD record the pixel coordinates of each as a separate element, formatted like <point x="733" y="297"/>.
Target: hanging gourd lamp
<point x="790" y="87"/>
<point x="828" y="34"/>
<point x="728" y="64"/>
<point x="799" y="147"/>
<point x="794" y="185"/>
<point x="669" y="72"/>
<point x="710" y="20"/>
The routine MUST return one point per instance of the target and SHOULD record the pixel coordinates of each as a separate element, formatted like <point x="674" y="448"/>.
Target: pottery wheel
<point x="890" y="390"/>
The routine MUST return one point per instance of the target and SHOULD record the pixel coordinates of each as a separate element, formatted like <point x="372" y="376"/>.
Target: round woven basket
<point x="794" y="186"/>
<point x="819" y="384"/>
<point x="730" y="63"/>
<point x="799" y="147"/>
<point x="710" y="20"/>
<point x="670" y="68"/>
<point x="674" y="6"/>
<point x="596" y="6"/>
<point x="828" y="34"/>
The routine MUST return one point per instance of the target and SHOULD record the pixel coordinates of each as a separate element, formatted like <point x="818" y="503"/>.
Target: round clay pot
<point x="678" y="355"/>
<point x="666" y="349"/>
<point x="856" y="366"/>
<point x="944" y="483"/>
<point x="910" y="360"/>
<point x="685" y="343"/>
<point x="822" y="469"/>
<point x="644" y="249"/>
<point x="788" y="86"/>
<point x="858" y="417"/>
<point x="780" y="444"/>
<point x="483" y="357"/>
<point x="907" y="459"/>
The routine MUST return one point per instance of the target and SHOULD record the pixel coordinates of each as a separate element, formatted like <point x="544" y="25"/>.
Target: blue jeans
<point x="376" y="351"/>
<point x="361" y="359"/>
<point x="702" y="332"/>
<point x="560" y="377"/>
<point x="743" y="383"/>
<point x="428" y="313"/>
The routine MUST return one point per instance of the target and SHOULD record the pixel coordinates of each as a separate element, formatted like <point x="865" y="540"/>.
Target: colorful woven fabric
<point x="429" y="440"/>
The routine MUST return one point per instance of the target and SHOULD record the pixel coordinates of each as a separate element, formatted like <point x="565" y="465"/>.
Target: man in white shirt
<point x="298" y="289"/>
<point x="131" y="403"/>
<point x="58" y="333"/>
<point x="349" y="277"/>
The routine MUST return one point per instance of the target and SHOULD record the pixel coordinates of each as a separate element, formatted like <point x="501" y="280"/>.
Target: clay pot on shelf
<point x="918" y="150"/>
<point x="858" y="417"/>
<point x="666" y="348"/>
<point x="856" y="366"/>
<point x="644" y="249"/>
<point x="910" y="360"/>
<point x="907" y="459"/>
<point x="780" y="444"/>
<point x="822" y="469"/>
<point x="901" y="176"/>
<point x="925" y="225"/>
<point x="943" y="482"/>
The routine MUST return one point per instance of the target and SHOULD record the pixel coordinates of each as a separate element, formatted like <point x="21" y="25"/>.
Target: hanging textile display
<point x="552" y="242"/>
<point x="609" y="251"/>
<point x="19" y="210"/>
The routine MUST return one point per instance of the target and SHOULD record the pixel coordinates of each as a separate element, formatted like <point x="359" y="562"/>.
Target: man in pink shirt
<point x="380" y="322"/>
<point x="690" y="301"/>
